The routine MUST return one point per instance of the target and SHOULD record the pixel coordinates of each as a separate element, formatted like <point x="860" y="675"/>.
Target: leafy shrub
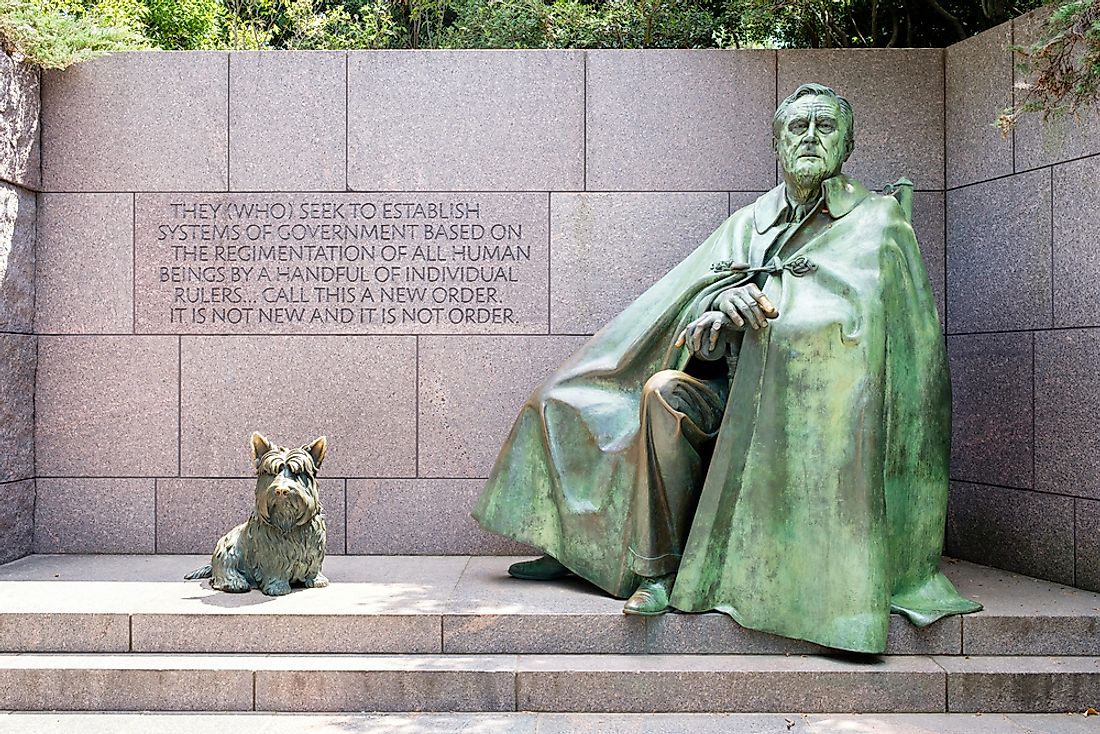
<point x="54" y="39"/>
<point x="497" y="24"/>
<point x="370" y="25"/>
<point x="183" y="24"/>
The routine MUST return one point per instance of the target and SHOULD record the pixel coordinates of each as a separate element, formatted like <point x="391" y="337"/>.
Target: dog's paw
<point x="317" y="582"/>
<point x="277" y="587"/>
<point x="233" y="585"/>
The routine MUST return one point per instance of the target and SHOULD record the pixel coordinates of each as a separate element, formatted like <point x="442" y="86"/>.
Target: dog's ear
<point x="317" y="450"/>
<point x="260" y="446"/>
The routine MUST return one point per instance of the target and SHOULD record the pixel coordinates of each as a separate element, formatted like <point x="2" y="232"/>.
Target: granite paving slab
<point x="1021" y="683"/>
<point x="464" y="605"/>
<point x="526" y="723"/>
<point x="734" y="683"/>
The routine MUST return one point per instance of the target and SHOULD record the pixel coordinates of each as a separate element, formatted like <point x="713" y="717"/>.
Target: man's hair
<point x="846" y="114"/>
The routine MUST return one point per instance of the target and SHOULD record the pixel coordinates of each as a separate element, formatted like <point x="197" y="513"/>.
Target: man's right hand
<point x="746" y="306"/>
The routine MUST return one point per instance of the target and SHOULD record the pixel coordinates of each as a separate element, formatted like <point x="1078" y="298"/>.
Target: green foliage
<point x="54" y="37"/>
<point x="498" y="24"/>
<point x="862" y="23"/>
<point x="183" y="24"/>
<point x="658" y="24"/>
<point x="58" y="32"/>
<point x="370" y="24"/>
<point x="579" y="24"/>
<point x="1062" y="65"/>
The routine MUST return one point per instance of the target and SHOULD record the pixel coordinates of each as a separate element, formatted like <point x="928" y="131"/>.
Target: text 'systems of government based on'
<point x="338" y="262"/>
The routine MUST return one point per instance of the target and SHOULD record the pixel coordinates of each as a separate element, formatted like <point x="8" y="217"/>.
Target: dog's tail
<point x="200" y="573"/>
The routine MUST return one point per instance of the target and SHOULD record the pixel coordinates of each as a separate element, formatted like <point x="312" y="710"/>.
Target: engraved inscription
<point x="341" y="263"/>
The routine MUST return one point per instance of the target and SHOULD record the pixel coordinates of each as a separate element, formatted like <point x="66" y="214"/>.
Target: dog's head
<point x="286" y="481"/>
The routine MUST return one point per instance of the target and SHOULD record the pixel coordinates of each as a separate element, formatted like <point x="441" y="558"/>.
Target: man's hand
<point x="703" y="334"/>
<point x="745" y="305"/>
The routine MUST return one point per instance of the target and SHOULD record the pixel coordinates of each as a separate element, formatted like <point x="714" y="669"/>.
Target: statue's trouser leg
<point x="680" y="417"/>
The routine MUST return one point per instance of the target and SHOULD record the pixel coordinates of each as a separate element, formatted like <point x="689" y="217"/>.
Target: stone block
<point x="337" y="263"/>
<point x="606" y="249"/>
<point x="192" y="514"/>
<point x="424" y="683"/>
<point x="1076" y="260"/>
<point x="1021" y="684"/>
<point x="717" y="634"/>
<point x="358" y="391"/>
<point x="18" y="218"/>
<point x="928" y="224"/>
<point x="287" y="121"/>
<point x="1025" y="616"/>
<point x="490" y="612"/>
<point x="143" y="121"/>
<point x="230" y="631"/>
<point x="107" y="406"/>
<point x="1060" y="138"/>
<point x="673" y="120"/>
<point x="673" y="724"/>
<point x="375" y="605"/>
<point x="17" y="521"/>
<point x="998" y="255"/>
<point x="1088" y="545"/>
<point x="66" y="571"/>
<point x="897" y="96"/>
<point x="56" y="631"/>
<point x="1019" y="530"/>
<point x="978" y="88"/>
<point x="278" y="723"/>
<point x="20" y="156"/>
<point x="714" y="683"/>
<point x="991" y="390"/>
<point x="122" y="683"/>
<point x="496" y="120"/>
<point x="1025" y="634"/>
<point x="419" y="516"/>
<point x="18" y="359"/>
<point x="85" y="264"/>
<point x="1070" y="722"/>
<point x="94" y="516"/>
<point x="471" y="390"/>
<point x="1067" y="408"/>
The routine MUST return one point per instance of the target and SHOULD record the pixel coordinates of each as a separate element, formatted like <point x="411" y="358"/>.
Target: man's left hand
<point x="702" y="336"/>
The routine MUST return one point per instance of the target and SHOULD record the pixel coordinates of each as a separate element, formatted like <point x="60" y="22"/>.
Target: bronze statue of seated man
<point x="765" y="431"/>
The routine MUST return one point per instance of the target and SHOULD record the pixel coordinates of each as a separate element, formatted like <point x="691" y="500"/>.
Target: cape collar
<point x="842" y="195"/>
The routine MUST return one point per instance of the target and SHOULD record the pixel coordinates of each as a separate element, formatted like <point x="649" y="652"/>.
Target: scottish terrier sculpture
<point x="283" y="542"/>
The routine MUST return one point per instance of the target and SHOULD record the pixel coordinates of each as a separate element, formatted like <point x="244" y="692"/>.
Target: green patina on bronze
<point x="823" y="504"/>
<point x="282" y="544"/>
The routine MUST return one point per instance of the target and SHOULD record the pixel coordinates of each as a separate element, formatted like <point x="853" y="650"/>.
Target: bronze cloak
<point x="825" y="499"/>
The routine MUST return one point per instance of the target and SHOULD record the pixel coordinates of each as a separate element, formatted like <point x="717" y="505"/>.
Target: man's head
<point x="813" y="133"/>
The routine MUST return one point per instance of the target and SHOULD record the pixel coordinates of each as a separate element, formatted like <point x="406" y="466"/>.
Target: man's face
<point x="811" y="142"/>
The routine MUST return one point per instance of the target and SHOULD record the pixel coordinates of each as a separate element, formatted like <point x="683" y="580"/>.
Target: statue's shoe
<point x="651" y="598"/>
<point x="545" y="568"/>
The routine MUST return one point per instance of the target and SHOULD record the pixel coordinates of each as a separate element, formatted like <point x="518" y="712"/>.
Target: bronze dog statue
<point x="283" y="542"/>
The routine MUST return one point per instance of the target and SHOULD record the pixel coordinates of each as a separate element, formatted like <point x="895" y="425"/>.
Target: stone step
<point x="463" y="605"/>
<point x="547" y="683"/>
<point x="544" y="723"/>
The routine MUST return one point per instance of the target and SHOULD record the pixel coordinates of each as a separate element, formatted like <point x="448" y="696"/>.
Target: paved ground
<point x="106" y="723"/>
<point x="451" y="634"/>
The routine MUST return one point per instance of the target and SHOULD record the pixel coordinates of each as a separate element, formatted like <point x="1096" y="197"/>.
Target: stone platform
<point x="455" y="634"/>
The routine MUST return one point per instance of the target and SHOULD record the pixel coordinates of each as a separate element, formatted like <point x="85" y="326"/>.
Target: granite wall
<point x="502" y="206"/>
<point x="19" y="180"/>
<point x="1023" y="324"/>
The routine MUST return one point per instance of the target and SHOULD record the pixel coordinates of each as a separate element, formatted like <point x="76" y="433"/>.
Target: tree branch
<point x="951" y="19"/>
